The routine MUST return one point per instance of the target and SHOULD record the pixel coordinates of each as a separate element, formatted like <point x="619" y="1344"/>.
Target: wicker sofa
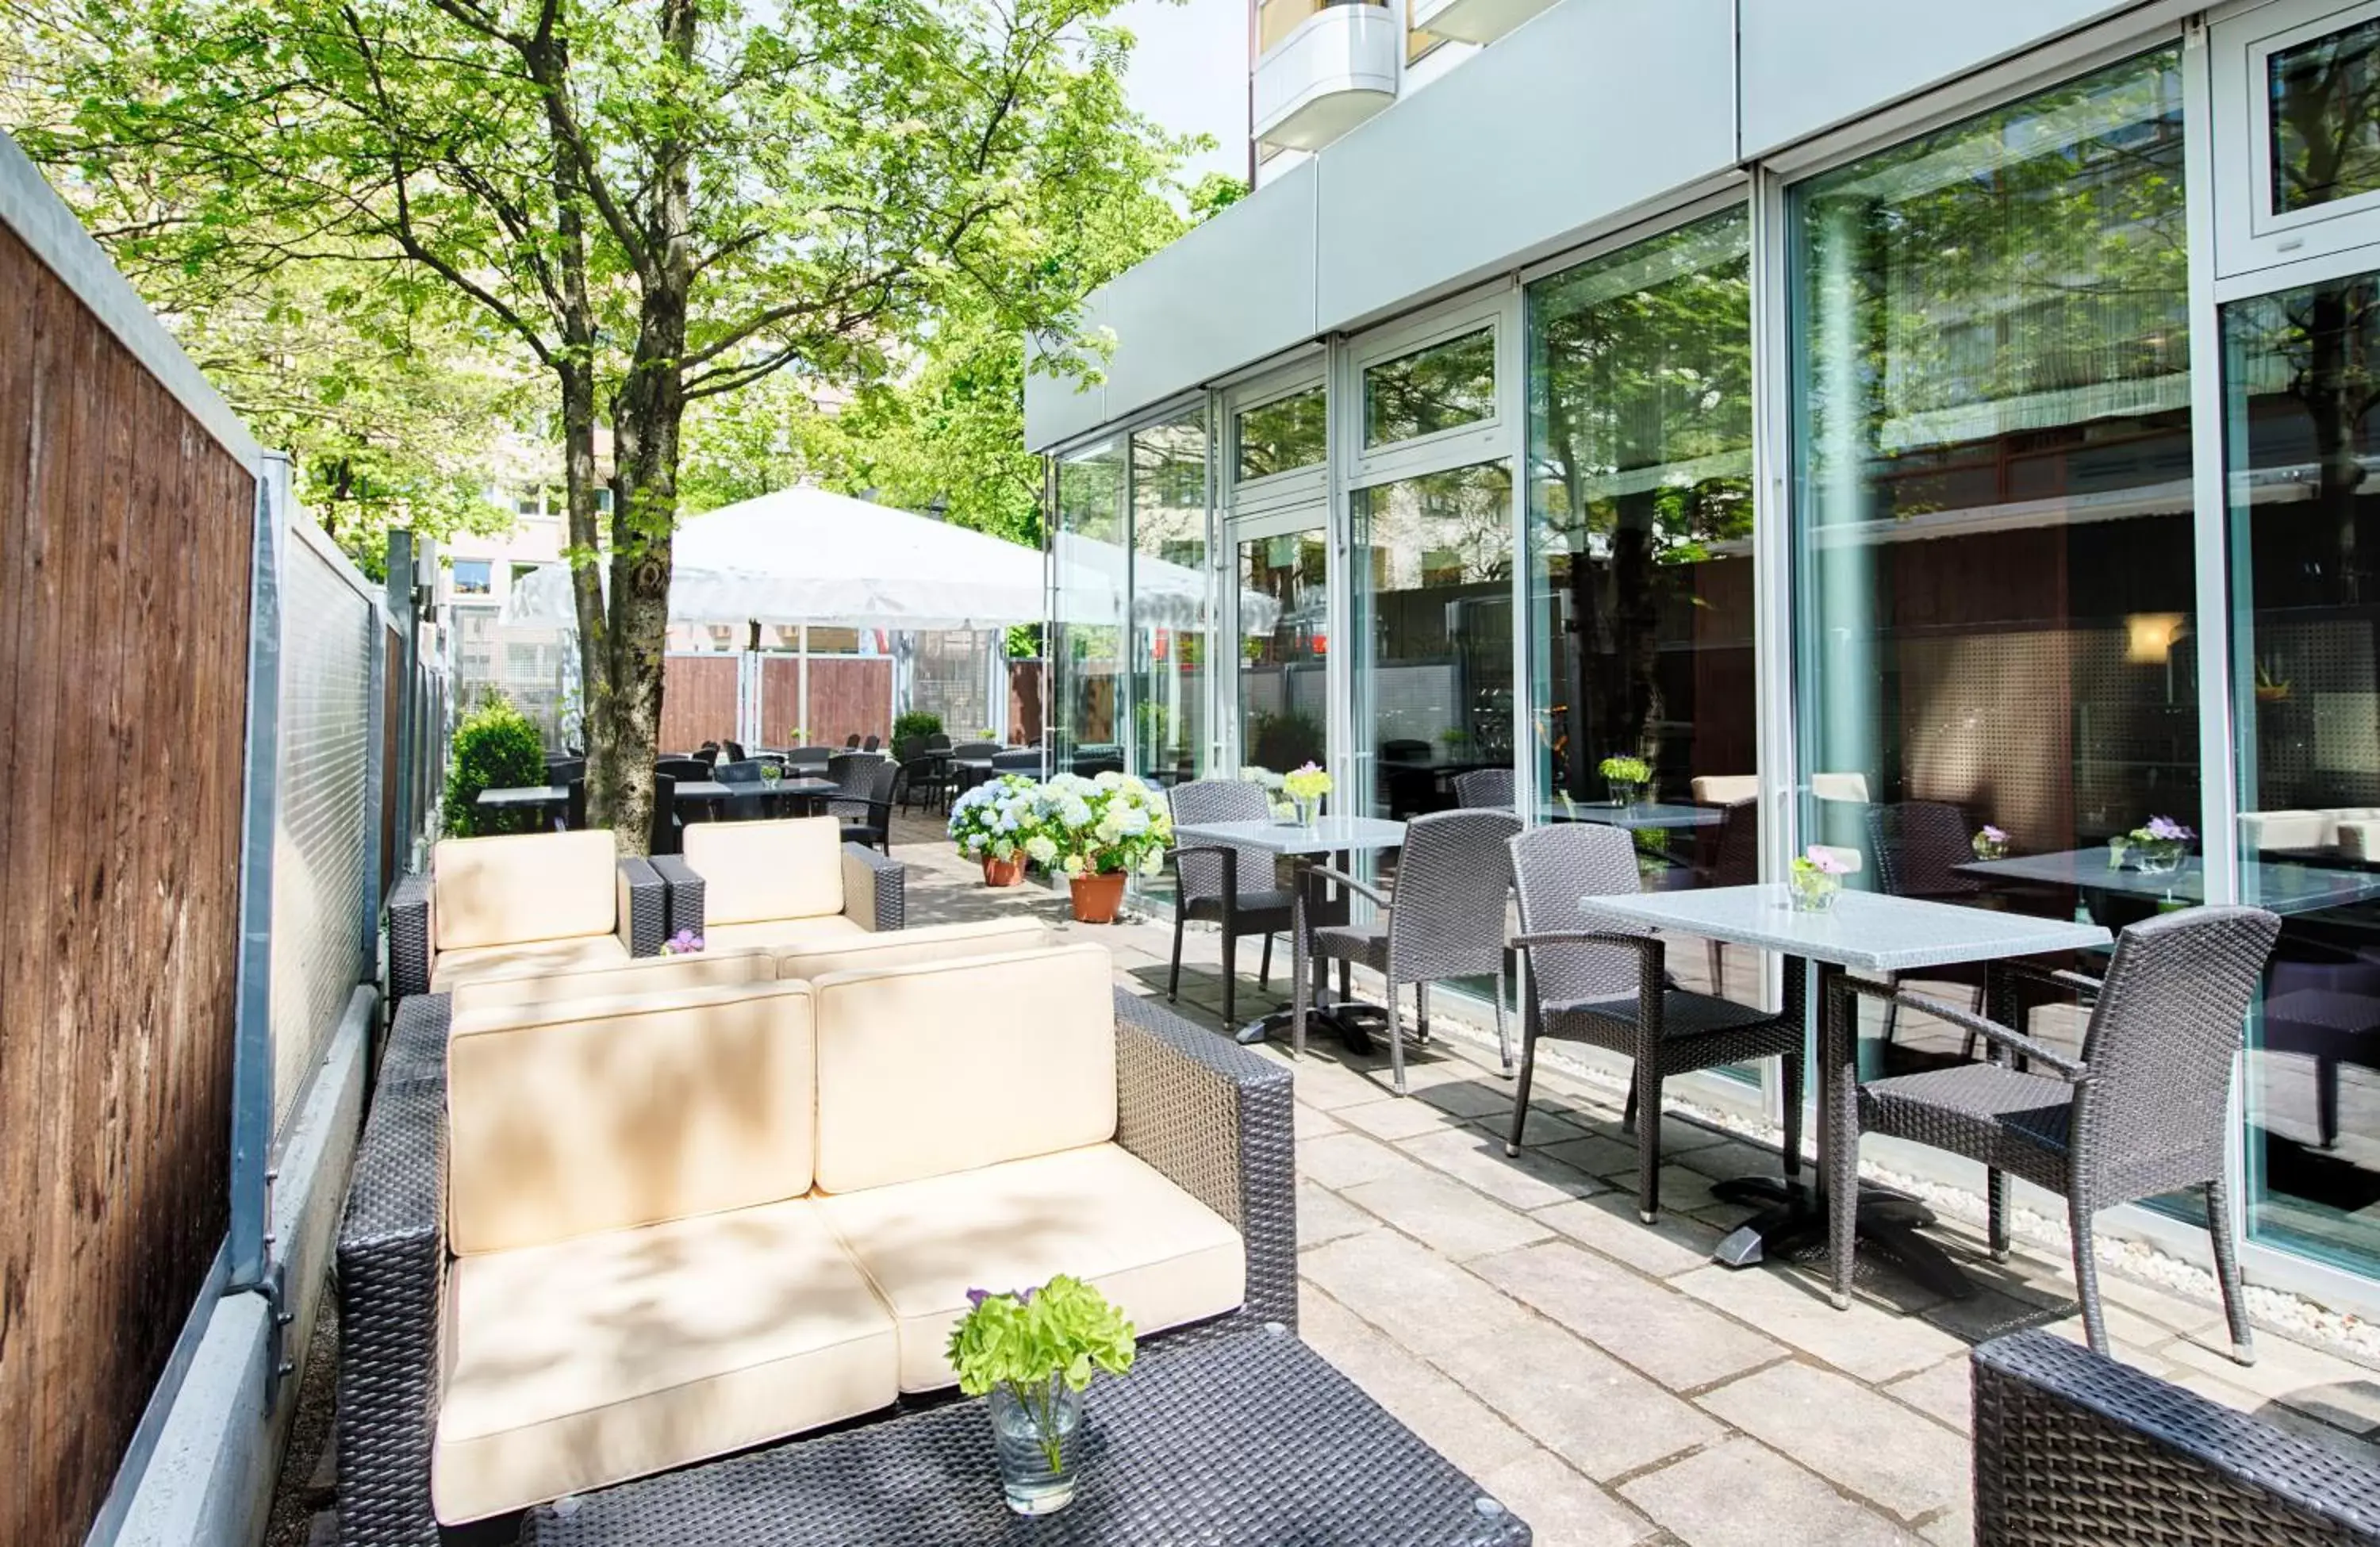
<point x="769" y="884"/>
<point x="605" y="1238"/>
<point x="530" y="903"/>
<point x="2074" y="1450"/>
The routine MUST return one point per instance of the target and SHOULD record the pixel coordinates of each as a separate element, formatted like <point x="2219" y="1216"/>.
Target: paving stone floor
<point x="1606" y="1379"/>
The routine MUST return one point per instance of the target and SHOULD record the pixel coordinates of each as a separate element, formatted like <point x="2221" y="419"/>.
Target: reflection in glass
<point x="1640" y="533"/>
<point x="2299" y="371"/>
<point x="1086" y="626"/>
<point x="1992" y="446"/>
<point x="1282" y="435"/>
<point x="1285" y="632"/>
<point x="1171" y="601"/>
<point x="1433" y="620"/>
<point x="2325" y="101"/>
<point x="1442" y="387"/>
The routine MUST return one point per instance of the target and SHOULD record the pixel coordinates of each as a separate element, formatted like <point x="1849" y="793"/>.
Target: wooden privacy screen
<point x="1024" y="702"/>
<point x="125" y="535"/>
<point x="848" y="694"/>
<point x="697" y="700"/>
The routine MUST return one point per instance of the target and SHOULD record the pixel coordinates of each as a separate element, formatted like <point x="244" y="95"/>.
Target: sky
<point x="1190" y="73"/>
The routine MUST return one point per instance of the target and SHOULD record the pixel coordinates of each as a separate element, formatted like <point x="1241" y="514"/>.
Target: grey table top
<point x="2281" y="887"/>
<point x="1865" y="931"/>
<point x="1330" y="834"/>
<point x="1636" y="818"/>
<point x="525" y="794"/>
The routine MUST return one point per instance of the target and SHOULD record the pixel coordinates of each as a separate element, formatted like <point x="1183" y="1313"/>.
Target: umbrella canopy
<point x="805" y="555"/>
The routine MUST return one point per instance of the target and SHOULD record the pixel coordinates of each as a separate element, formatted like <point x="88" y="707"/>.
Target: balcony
<point x="1328" y="71"/>
<point x="1477" y="21"/>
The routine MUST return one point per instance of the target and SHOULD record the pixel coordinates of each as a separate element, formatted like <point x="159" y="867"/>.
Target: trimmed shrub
<point x="919" y="723"/>
<point x="496" y="746"/>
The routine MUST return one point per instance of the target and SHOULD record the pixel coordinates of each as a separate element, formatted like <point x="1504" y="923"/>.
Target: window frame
<point x="1481" y="440"/>
<point x="2250" y="235"/>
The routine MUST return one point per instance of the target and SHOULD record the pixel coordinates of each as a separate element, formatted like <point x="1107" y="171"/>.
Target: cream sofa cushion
<point x="616" y="980"/>
<point x="2263" y="830"/>
<point x="450" y="970"/>
<point x="1101" y="1213"/>
<point x="945" y="1066"/>
<point x="1725" y="790"/>
<point x="754" y="871"/>
<point x="1850" y="787"/>
<point x="591" y="1361"/>
<point x="773" y="936"/>
<point x="579" y="1116"/>
<point x="2358" y="840"/>
<point x="531" y="886"/>
<point x="864" y="950"/>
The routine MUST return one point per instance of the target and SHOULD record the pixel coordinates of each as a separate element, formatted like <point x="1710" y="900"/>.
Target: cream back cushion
<point x="860" y="953"/>
<point x="757" y="870"/>
<point x="587" y="1114"/>
<point x="1725" y="790"/>
<point x="532" y="886"/>
<point x="645" y="974"/>
<point x="1849" y="787"/>
<point x="945" y="1066"/>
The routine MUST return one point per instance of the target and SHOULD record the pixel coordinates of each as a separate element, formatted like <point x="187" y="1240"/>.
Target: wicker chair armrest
<point x="644" y="907"/>
<point x="875" y="888"/>
<point x="409" y="937"/>
<point x="683" y="884"/>
<point x="1230" y="857"/>
<point x="416" y="1046"/>
<point x="1325" y="873"/>
<point x="391" y="1288"/>
<point x="2070" y="1069"/>
<point x="2069" y="1445"/>
<point x="1651" y="948"/>
<point x="1216" y="1120"/>
<point x="2049" y="976"/>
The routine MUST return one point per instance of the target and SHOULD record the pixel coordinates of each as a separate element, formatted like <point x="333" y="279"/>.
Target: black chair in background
<point x="749" y="801"/>
<point x="708" y="754"/>
<point x="667" y="825"/>
<point x="871" y="744"/>
<point x="1017" y="760"/>
<point x="1917" y="845"/>
<point x="852" y="740"/>
<point x="868" y="818"/>
<point x="1234" y="886"/>
<point x="924" y="781"/>
<point x="733" y="751"/>
<point x="574" y="810"/>
<point x="1485" y="788"/>
<point x="692" y="770"/>
<point x="809" y="757"/>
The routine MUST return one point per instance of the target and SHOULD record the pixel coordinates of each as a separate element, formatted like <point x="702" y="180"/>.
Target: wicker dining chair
<point x="1235" y="886"/>
<point x="924" y="781"/>
<point x="1445" y="918"/>
<point x="1918" y="846"/>
<point x="1484" y="789"/>
<point x="750" y="800"/>
<point x="2138" y="1113"/>
<point x="1609" y="987"/>
<point x="866" y="816"/>
<point x="667" y="825"/>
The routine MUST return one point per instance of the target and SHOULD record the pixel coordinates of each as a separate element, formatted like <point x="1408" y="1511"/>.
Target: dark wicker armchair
<point x="1610" y="988"/>
<point x="1214" y="1119"/>
<point x="1233" y="886"/>
<point x="866" y="812"/>
<point x="2138" y="1113"/>
<point x="1918" y="846"/>
<point x="1485" y="788"/>
<point x="1445" y="918"/>
<point x="2074" y="1450"/>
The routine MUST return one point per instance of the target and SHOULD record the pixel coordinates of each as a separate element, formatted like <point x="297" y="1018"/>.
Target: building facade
<point x="1879" y="428"/>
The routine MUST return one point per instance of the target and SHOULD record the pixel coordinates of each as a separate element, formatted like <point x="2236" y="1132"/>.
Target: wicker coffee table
<point x="1245" y="1438"/>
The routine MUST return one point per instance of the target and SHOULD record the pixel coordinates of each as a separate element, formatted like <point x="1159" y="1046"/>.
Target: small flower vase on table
<point x="1990" y="843"/>
<point x="1036" y="1430"/>
<point x="1033" y="1353"/>
<point x="1815" y="879"/>
<point x="1306" y="787"/>
<point x="1627" y="778"/>
<point x="2160" y="847"/>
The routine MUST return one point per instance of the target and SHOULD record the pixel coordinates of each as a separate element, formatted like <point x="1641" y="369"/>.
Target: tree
<point x="659" y="201"/>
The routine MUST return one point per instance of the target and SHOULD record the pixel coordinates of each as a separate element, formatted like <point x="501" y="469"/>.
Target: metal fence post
<point x="400" y="609"/>
<point x="375" y="782"/>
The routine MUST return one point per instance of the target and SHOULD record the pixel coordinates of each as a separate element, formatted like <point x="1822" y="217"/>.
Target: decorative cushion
<point x="580" y="1115"/>
<point x="1101" y="1213"/>
<point x="537" y="958"/>
<point x="529" y="886"/>
<point x="1850" y="787"/>
<point x="591" y="1361"/>
<point x="1725" y="790"/>
<point x="610" y="980"/>
<point x="855" y="953"/>
<point x="945" y="1066"/>
<point x="2265" y="830"/>
<point x="754" y="871"/>
<point x="775" y="936"/>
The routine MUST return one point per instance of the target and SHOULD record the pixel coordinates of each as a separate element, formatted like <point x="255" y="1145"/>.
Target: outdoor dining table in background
<point x="1863" y="931"/>
<point x="2279" y="885"/>
<point x="1650" y="816"/>
<point x="1326" y="839"/>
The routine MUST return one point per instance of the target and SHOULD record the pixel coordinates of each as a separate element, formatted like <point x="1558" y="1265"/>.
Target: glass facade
<point x="1443" y="386"/>
<point x="2324" y="105"/>
<point x="1284" y="636"/>
<point x="1280" y="436"/>
<point x="1173" y="603"/>
<point x="1085" y="633"/>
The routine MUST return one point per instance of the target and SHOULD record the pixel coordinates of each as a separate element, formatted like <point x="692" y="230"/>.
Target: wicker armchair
<point x="865" y="809"/>
<point x="1213" y="1118"/>
<point x="2138" y="1113"/>
<point x="924" y="780"/>
<point x="1445" y="919"/>
<point x="1610" y="988"/>
<point x="1233" y="886"/>
<point x="642" y="927"/>
<point x="1918" y="846"/>
<point x="1485" y="788"/>
<point x="2072" y="1449"/>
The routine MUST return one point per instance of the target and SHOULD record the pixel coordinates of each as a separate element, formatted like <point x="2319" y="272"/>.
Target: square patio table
<point x="1304" y="845"/>
<point x="1864" y="931"/>
<point x="1647" y="816"/>
<point x="2278" y="886"/>
<point x="1244" y="1440"/>
<point x="524" y="798"/>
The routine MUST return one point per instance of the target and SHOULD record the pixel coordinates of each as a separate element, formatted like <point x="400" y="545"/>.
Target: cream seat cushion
<point x="1725" y="790"/>
<point x="865" y="949"/>
<point x="1100" y="1213"/>
<point x="528" y="886"/>
<point x="613" y="981"/>
<point x="587" y="1362"/>
<point x="775" y="936"/>
<point x="574" y="1117"/>
<point x="754" y="871"/>
<point x="451" y="970"/>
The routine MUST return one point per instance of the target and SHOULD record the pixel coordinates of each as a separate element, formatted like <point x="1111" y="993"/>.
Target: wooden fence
<point x="124" y="553"/>
<point x="850" y="695"/>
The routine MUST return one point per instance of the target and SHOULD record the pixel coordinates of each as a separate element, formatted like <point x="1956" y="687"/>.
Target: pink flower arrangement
<point x="1823" y="860"/>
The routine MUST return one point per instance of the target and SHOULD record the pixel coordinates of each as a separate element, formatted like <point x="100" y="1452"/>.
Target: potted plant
<point x="1095" y="831"/>
<point x="1815" y="879"/>
<point x="1989" y="843"/>
<point x="1307" y="786"/>
<point x="1628" y="777"/>
<point x="1033" y="1353"/>
<point x="2158" y="847"/>
<point x="992" y="822"/>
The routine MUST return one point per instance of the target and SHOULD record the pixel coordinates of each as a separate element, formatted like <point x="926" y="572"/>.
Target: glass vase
<point x="2158" y="856"/>
<point x="1306" y="809"/>
<point x="1038" y="1434"/>
<point x="1814" y="892"/>
<point x="1625" y="792"/>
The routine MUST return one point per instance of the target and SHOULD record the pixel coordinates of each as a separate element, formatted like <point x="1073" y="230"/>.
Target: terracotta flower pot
<point x="1097" y="897"/>
<point x="1003" y="873"/>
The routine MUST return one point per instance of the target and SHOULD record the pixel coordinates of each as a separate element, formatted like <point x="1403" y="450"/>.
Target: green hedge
<point x="917" y="723"/>
<point x="496" y="746"/>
